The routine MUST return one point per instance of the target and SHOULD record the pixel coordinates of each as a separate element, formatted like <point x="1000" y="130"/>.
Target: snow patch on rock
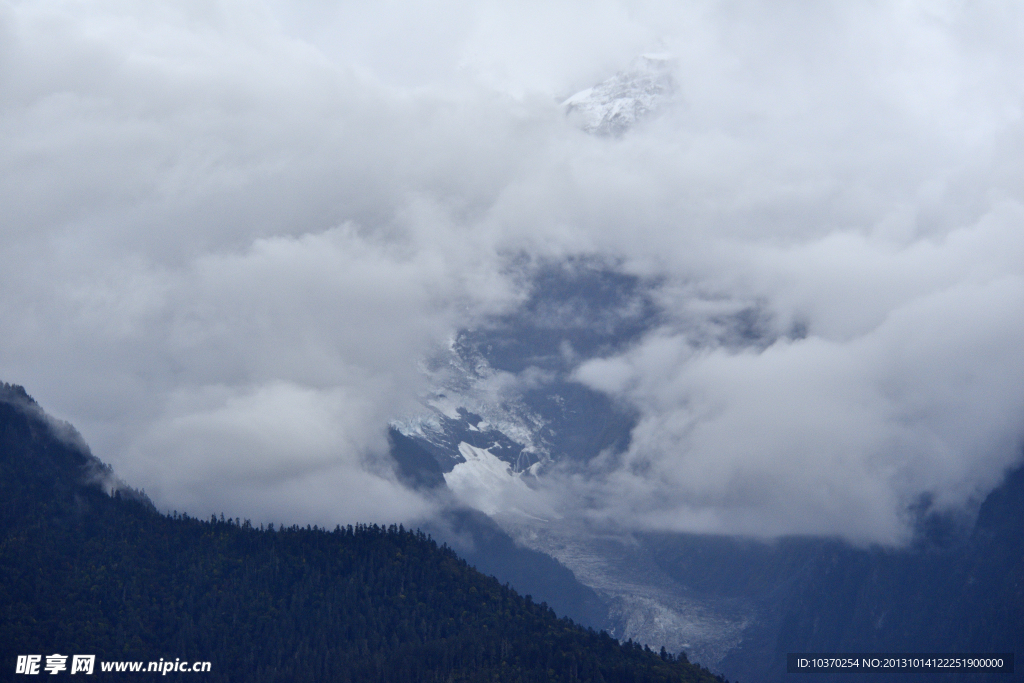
<point x="487" y="483"/>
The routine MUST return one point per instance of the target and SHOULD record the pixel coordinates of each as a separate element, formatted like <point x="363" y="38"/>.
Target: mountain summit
<point x="615" y="105"/>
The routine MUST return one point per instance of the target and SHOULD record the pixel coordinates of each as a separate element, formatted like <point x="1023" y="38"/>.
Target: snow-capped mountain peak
<point x="615" y="105"/>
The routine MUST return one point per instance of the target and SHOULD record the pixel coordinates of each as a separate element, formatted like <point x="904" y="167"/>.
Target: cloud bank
<point x="232" y="231"/>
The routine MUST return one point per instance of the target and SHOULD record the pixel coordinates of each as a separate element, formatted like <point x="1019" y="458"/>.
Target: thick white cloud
<point x="208" y="222"/>
<point x="231" y="231"/>
<point x="825" y="436"/>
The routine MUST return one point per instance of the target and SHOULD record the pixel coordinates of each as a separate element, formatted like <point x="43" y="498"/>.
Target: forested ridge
<point x="86" y="572"/>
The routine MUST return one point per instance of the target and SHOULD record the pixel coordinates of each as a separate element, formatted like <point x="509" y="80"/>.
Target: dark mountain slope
<point x="956" y="590"/>
<point x="84" y="572"/>
<point x="478" y="539"/>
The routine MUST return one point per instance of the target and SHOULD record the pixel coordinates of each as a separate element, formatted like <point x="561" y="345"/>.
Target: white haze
<point x="232" y="230"/>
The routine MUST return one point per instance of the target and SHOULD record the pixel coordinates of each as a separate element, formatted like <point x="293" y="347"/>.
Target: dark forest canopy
<point x="86" y="572"/>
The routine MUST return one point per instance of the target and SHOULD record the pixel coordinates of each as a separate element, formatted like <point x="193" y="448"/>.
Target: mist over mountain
<point x="250" y="230"/>
<point x="551" y="279"/>
<point x="736" y="604"/>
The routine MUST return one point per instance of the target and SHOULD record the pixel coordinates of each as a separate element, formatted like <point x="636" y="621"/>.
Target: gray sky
<point x="231" y="231"/>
